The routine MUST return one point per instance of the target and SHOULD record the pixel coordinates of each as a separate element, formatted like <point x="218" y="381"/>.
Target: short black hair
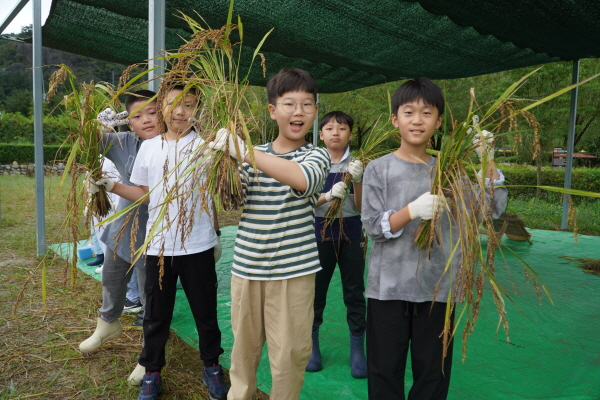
<point x="140" y="95"/>
<point x="290" y="80"/>
<point x="418" y="89"/>
<point x="340" y="118"/>
<point x="194" y="91"/>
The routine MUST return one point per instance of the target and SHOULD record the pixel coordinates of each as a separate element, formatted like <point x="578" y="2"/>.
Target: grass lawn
<point x="539" y="214"/>
<point x="39" y="356"/>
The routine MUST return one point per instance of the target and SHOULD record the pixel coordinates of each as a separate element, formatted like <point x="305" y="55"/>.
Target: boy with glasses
<point x="275" y="255"/>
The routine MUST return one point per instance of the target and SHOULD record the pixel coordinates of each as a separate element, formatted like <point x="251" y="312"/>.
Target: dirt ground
<point x="39" y="356"/>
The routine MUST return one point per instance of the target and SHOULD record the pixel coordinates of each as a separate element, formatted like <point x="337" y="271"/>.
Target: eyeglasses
<point x="290" y="107"/>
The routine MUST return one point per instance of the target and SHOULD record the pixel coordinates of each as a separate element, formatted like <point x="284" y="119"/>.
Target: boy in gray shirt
<point x="122" y="148"/>
<point x="404" y="311"/>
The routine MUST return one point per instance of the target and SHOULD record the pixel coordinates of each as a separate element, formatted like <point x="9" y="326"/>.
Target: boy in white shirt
<point x="193" y="260"/>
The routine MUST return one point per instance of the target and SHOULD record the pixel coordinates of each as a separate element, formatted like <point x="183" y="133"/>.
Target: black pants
<point x="199" y="280"/>
<point x="393" y="326"/>
<point x="349" y="255"/>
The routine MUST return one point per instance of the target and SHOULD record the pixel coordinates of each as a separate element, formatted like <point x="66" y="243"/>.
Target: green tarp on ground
<point x="554" y="350"/>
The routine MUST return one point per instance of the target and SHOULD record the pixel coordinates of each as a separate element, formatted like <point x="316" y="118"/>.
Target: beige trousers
<point x="280" y="312"/>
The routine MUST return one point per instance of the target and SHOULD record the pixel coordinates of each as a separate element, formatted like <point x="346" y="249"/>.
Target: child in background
<point x="192" y="261"/>
<point x="404" y="312"/>
<point x="341" y="242"/>
<point x="275" y="254"/>
<point x="133" y="302"/>
<point x="121" y="148"/>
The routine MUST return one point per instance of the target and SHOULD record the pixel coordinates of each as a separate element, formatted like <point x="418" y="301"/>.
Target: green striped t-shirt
<point x="276" y="238"/>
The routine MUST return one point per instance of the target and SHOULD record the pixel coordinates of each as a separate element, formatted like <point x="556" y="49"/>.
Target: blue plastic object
<point x="84" y="253"/>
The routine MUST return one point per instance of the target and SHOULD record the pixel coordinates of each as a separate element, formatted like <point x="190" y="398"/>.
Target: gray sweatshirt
<point x="397" y="269"/>
<point x="122" y="150"/>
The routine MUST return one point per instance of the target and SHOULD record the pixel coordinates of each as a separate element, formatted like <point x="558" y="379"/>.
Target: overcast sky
<point x="24" y="18"/>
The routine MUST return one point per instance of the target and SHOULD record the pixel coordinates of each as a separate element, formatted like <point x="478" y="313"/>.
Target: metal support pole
<point x="12" y="15"/>
<point x="316" y="126"/>
<point x="156" y="41"/>
<point x="38" y="128"/>
<point x="570" y="143"/>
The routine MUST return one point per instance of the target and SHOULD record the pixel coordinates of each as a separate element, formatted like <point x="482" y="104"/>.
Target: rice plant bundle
<point x="210" y="64"/>
<point x="83" y="103"/>
<point x="206" y="66"/>
<point x="370" y="149"/>
<point x="457" y="179"/>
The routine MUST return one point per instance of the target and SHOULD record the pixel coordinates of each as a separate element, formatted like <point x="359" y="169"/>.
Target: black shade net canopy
<point x="348" y="44"/>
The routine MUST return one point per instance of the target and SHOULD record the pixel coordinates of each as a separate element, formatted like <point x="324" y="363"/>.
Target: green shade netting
<point x="554" y="350"/>
<point x="348" y="44"/>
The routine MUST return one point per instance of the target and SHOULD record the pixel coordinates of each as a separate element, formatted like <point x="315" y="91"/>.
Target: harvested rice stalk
<point x="370" y="149"/>
<point x="83" y="103"/>
<point x="453" y="165"/>
<point x="209" y="64"/>
<point x="589" y="265"/>
<point x="206" y="66"/>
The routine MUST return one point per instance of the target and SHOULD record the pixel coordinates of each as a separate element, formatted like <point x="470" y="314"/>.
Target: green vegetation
<point x="365" y="105"/>
<point x="15" y="73"/>
<point x="24" y="153"/>
<point x="587" y="179"/>
<point x="548" y="215"/>
<point x="39" y="358"/>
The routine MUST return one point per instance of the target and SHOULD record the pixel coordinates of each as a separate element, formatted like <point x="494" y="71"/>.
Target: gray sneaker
<point x="131" y="307"/>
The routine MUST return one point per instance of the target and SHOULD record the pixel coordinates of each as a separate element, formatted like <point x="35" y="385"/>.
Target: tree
<point x="19" y="102"/>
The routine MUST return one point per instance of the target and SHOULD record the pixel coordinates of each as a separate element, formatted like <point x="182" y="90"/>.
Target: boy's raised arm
<point x="285" y="171"/>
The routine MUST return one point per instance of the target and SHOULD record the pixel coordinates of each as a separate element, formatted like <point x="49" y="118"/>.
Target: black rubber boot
<point x="314" y="364"/>
<point x="358" y="362"/>
<point x="99" y="260"/>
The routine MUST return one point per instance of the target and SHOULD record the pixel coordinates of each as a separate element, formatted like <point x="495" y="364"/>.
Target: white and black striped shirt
<point x="275" y="238"/>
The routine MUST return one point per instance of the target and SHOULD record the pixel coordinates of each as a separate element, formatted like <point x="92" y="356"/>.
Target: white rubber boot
<point x="135" y="379"/>
<point x="103" y="333"/>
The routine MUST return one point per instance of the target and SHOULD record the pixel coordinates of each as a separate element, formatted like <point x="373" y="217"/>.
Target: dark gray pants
<point x="349" y="255"/>
<point x="116" y="273"/>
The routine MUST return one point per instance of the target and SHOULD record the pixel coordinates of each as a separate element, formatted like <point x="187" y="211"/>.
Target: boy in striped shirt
<point x="276" y="257"/>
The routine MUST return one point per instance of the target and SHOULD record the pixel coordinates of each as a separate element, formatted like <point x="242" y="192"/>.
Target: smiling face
<point x="417" y="123"/>
<point x="177" y="111"/>
<point x="335" y="135"/>
<point x="293" y="120"/>
<point x="144" y="122"/>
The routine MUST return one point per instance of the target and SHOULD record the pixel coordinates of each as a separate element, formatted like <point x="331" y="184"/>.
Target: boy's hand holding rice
<point x="225" y="140"/>
<point x="426" y="206"/>
<point x="338" y="190"/>
<point x="109" y="119"/>
<point x="356" y="169"/>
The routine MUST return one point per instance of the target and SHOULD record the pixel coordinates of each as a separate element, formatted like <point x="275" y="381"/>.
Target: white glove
<point x="109" y="119"/>
<point x="90" y="185"/>
<point x="225" y="140"/>
<point x="218" y="249"/>
<point x="356" y="169"/>
<point x="426" y="206"/>
<point x="108" y="183"/>
<point x="338" y="190"/>
<point x="485" y="145"/>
